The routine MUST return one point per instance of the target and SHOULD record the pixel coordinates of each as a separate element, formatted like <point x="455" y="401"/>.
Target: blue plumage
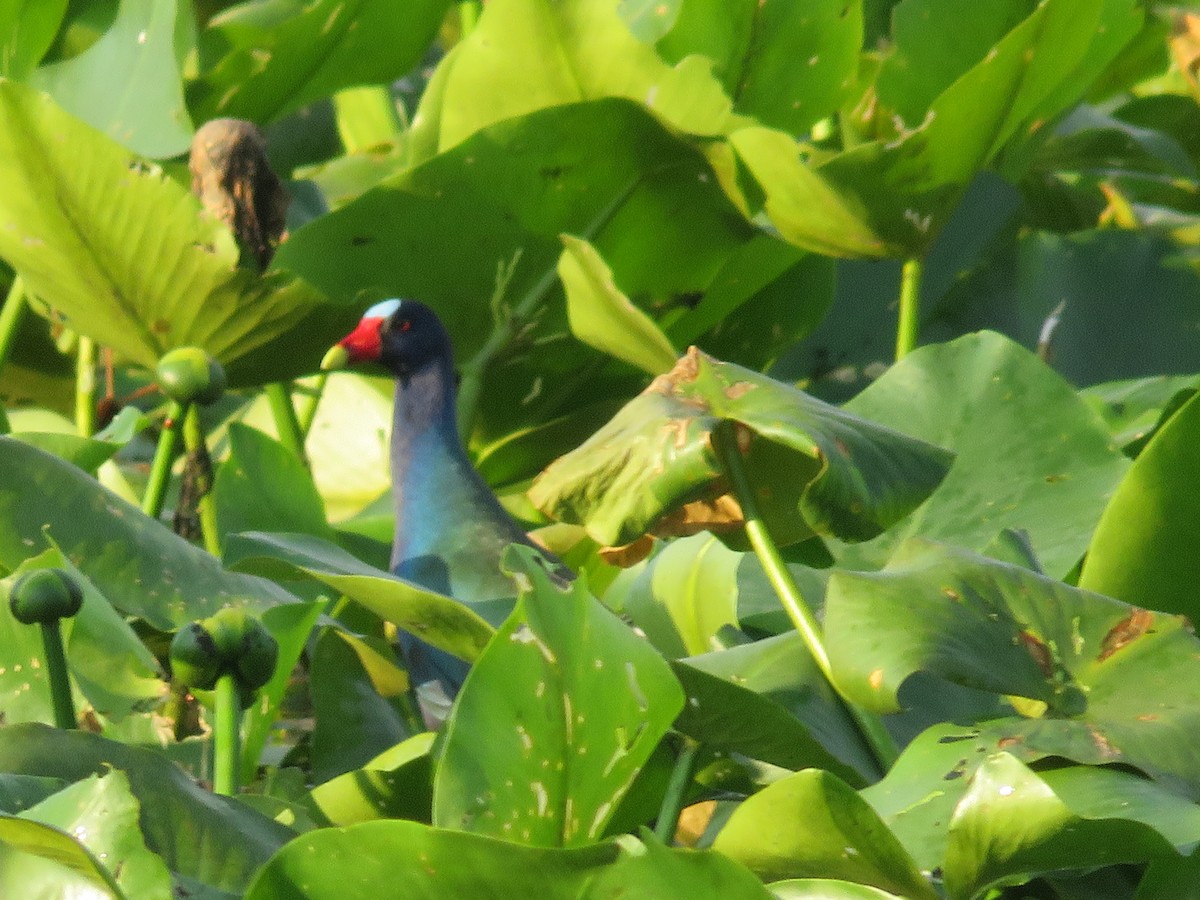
<point x="450" y="528"/>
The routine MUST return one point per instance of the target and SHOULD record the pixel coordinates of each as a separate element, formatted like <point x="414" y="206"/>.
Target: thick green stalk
<point x="10" y="318"/>
<point x="85" y="387"/>
<point x="672" y="802"/>
<point x="908" y="326"/>
<point x="871" y="727"/>
<point x="60" y="681"/>
<point x="164" y="455"/>
<point x="193" y="438"/>
<point x="286" y="423"/>
<point x="226" y="736"/>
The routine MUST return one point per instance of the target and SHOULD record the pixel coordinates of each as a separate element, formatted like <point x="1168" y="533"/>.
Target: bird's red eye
<point x="404" y="325"/>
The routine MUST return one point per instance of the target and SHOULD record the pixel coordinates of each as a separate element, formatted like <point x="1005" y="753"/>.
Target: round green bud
<point x="45" y="595"/>
<point x="260" y="653"/>
<point x="195" y="660"/>
<point x="228" y="627"/>
<point x="189" y="375"/>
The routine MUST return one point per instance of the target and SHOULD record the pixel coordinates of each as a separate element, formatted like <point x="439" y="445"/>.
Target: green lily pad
<point x="100" y="814"/>
<point x="273" y="58"/>
<point x="1012" y="825"/>
<point x="76" y="202"/>
<point x="526" y="56"/>
<point x="813" y="824"/>
<point x="1142" y="549"/>
<point x="405" y="859"/>
<point x="851" y="477"/>
<point x="140" y="566"/>
<point x="1031" y="455"/>
<point x="555" y="719"/>
<point x="214" y="840"/>
<point x="1118" y="683"/>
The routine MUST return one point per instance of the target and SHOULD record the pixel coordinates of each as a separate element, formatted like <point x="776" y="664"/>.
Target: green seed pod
<point x="260" y="652"/>
<point x="45" y="595"/>
<point x="228" y="628"/>
<point x="188" y="374"/>
<point x="195" y="660"/>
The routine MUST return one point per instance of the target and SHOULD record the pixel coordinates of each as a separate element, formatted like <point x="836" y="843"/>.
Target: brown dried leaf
<point x="1129" y="629"/>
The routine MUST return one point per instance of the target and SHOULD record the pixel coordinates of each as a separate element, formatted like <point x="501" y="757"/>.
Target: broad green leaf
<point x="27" y="29"/>
<point x="393" y="785"/>
<point x="262" y="60"/>
<point x="139" y="565"/>
<point x="214" y="840"/>
<point x="33" y="857"/>
<point x="406" y="859"/>
<point x="262" y="486"/>
<point x="102" y="814"/>
<point x="1134" y="408"/>
<point x="525" y="56"/>
<point x="906" y="184"/>
<point x="1029" y="454"/>
<point x="436" y="619"/>
<point x="806" y="209"/>
<point x="685" y="595"/>
<point x="1012" y="824"/>
<point x="823" y="889"/>
<point x="353" y="721"/>
<point x="782" y="672"/>
<point x="932" y="47"/>
<point x="851" y="477"/>
<point x="602" y="316"/>
<point x="555" y="719"/>
<point x="19" y="792"/>
<point x="726" y="716"/>
<point x="801" y="63"/>
<point x="1145" y="539"/>
<point x="606" y="171"/>
<point x="1119" y="683"/>
<point x="124" y="254"/>
<point x="87" y="453"/>
<point x="812" y="824"/>
<point x="128" y="84"/>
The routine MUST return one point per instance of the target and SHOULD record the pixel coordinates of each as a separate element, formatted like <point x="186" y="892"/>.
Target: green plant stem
<point x="60" y="680"/>
<point x="313" y="399"/>
<point x="286" y="422"/>
<point x="10" y="318"/>
<point x="672" y="803"/>
<point x="164" y="455"/>
<point x="193" y="437"/>
<point x="85" y="387"/>
<point x="226" y="736"/>
<point x="908" y="325"/>
<point x="870" y="725"/>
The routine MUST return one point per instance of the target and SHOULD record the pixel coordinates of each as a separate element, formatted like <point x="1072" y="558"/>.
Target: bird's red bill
<point x="364" y="343"/>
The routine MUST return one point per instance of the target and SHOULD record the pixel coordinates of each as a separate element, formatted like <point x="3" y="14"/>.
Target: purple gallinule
<point x="450" y="528"/>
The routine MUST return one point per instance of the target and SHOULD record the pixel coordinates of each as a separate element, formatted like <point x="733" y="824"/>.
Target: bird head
<point x="404" y="336"/>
